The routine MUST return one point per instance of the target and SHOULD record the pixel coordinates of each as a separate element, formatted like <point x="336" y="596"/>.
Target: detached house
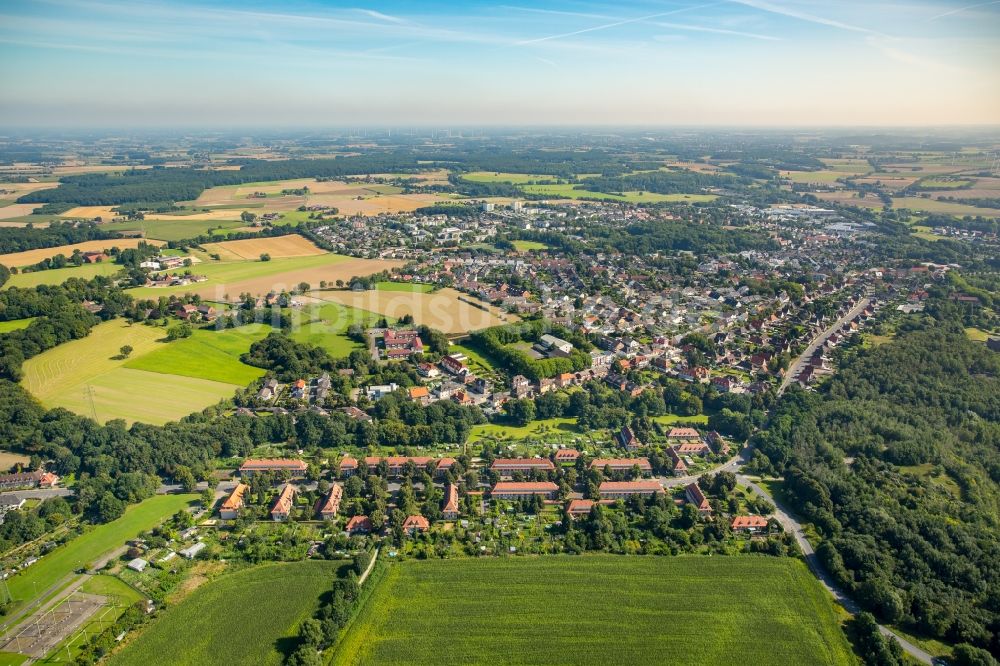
<point x="283" y="506"/>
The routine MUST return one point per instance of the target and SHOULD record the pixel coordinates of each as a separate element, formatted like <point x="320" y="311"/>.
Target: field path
<point x="371" y="565"/>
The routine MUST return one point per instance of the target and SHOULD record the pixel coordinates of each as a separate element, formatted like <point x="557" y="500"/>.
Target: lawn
<point x="324" y="325"/>
<point x="88" y="376"/>
<point x="674" y="419"/>
<point x="977" y="334"/>
<point x="15" y="324"/>
<point x="567" y="191"/>
<point x="207" y="354"/>
<point x="528" y="246"/>
<point x="60" y="275"/>
<point x="239" y="618"/>
<point x="538" y="428"/>
<point x="404" y="286"/>
<point x="90" y="546"/>
<point x="597" y="610"/>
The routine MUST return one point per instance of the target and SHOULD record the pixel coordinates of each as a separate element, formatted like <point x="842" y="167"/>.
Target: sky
<point x="132" y="63"/>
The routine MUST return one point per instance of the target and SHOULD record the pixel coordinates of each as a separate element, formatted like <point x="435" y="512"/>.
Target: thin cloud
<point x="613" y="24"/>
<point x="717" y="31"/>
<point x="963" y="9"/>
<point x="803" y="16"/>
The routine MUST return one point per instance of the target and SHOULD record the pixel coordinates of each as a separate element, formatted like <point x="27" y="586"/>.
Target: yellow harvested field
<point x="15" y="190"/>
<point x="29" y="257"/>
<point x="292" y="245"/>
<point x="90" y="212"/>
<point x="442" y="309"/>
<point x="8" y="460"/>
<point x="17" y="210"/>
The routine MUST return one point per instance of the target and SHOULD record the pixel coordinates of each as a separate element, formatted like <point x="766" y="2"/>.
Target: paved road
<point x="793" y="526"/>
<point x="796" y="366"/>
<point x="39" y="493"/>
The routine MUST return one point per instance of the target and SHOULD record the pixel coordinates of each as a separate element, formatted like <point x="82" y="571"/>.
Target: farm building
<point x="283" y="506"/>
<point x="296" y="468"/>
<point x="510" y="490"/>
<point x="231" y="507"/>
<point x="622" y="489"/>
<point x="191" y="552"/>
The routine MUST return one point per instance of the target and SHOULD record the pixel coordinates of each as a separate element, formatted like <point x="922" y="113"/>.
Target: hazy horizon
<point x="736" y="64"/>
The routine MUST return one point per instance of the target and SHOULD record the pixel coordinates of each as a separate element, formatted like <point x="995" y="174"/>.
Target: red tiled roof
<point x="683" y="432"/>
<point x="567" y="454"/>
<point x="623" y="463"/>
<point x="359" y="524"/>
<point x="235" y="499"/>
<point x="748" y="521"/>
<point x="579" y="506"/>
<point x="630" y="486"/>
<point x="525" y="487"/>
<point x="540" y="463"/>
<point x="348" y="463"/>
<point x="416" y="522"/>
<point x="273" y="463"/>
<point x="285" y="500"/>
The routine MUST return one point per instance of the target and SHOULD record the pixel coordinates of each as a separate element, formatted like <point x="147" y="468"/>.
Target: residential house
<point x="683" y="434"/>
<point x="566" y="455"/>
<point x="359" y="525"/>
<point x="512" y="490"/>
<point x="295" y="468"/>
<point x="626" y="438"/>
<point x="693" y="493"/>
<point x="749" y="524"/>
<point x="414" y="524"/>
<point x="622" y="489"/>
<point x="347" y="467"/>
<point x="328" y="507"/>
<point x="230" y="508"/>
<point x="579" y="507"/>
<point x="282" y="508"/>
<point x="680" y="467"/>
<point x="622" y="464"/>
<point x="507" y="466"/>
<point x="450" y="509"/>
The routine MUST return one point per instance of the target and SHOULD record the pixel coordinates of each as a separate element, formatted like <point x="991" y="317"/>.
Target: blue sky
<point x="738" y="62"/>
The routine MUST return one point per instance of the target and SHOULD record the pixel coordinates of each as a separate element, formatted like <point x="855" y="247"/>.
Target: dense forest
<point x="19" y="239"/>
<point x="661" y="182"/>
<point x="896" y="462"/>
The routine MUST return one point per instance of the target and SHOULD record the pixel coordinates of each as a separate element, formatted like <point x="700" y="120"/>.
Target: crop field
<point x="178" y="228"/>
<point x="850" y="198"/>
<point x="90" y="546"/>
<point x="60" y="275"/>
<point x="597" y="610"/>
<point x="567" y="191"/>
<point x="16" y="210"/>
<point x="947" y="207"/>
<point x="944" y="183"/>
<point x="207" y="354"/>
<point x="823" y="177"/>
<point x="30" y="257"/>
<point x="441" y="310"/>
<point x="278" y="247"/>
<point x="260" y="277"/>
<point x="15" y="324"/>
<point x="239" y="618"/>
<point x="404" y="286"/>
<point x="503" y="177"/>
<point x="88" y="377"/>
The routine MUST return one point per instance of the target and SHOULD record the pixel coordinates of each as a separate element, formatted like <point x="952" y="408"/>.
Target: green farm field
<point x="90" y="546"/>
<point x="15" y="324"/>
<point x="814" y="176"/>
<point x="60" y="275"/>
<point x="946" y="207"/>
<point x="404" y="286"/>
<point x="207" y="354"/>
<point x="503" y="177"/>
<point x="88" y="377"/>
<point x="239" y="618"/>
<point x="597" y="610"/>
<point x="175" y="230"/>
<point x="567" y="191"/>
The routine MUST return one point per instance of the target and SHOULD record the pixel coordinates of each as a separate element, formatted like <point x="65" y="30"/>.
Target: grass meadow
<point x="597" y="610"/>
<point x="528" y="246"/>
<point x="60" y="275"/>
<point x="90" y="546"/>
<point x="325" y="325"/>
<point x="88" y="376"/>
<point x="15" y="324"/>
<point x="247" y="617"/>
